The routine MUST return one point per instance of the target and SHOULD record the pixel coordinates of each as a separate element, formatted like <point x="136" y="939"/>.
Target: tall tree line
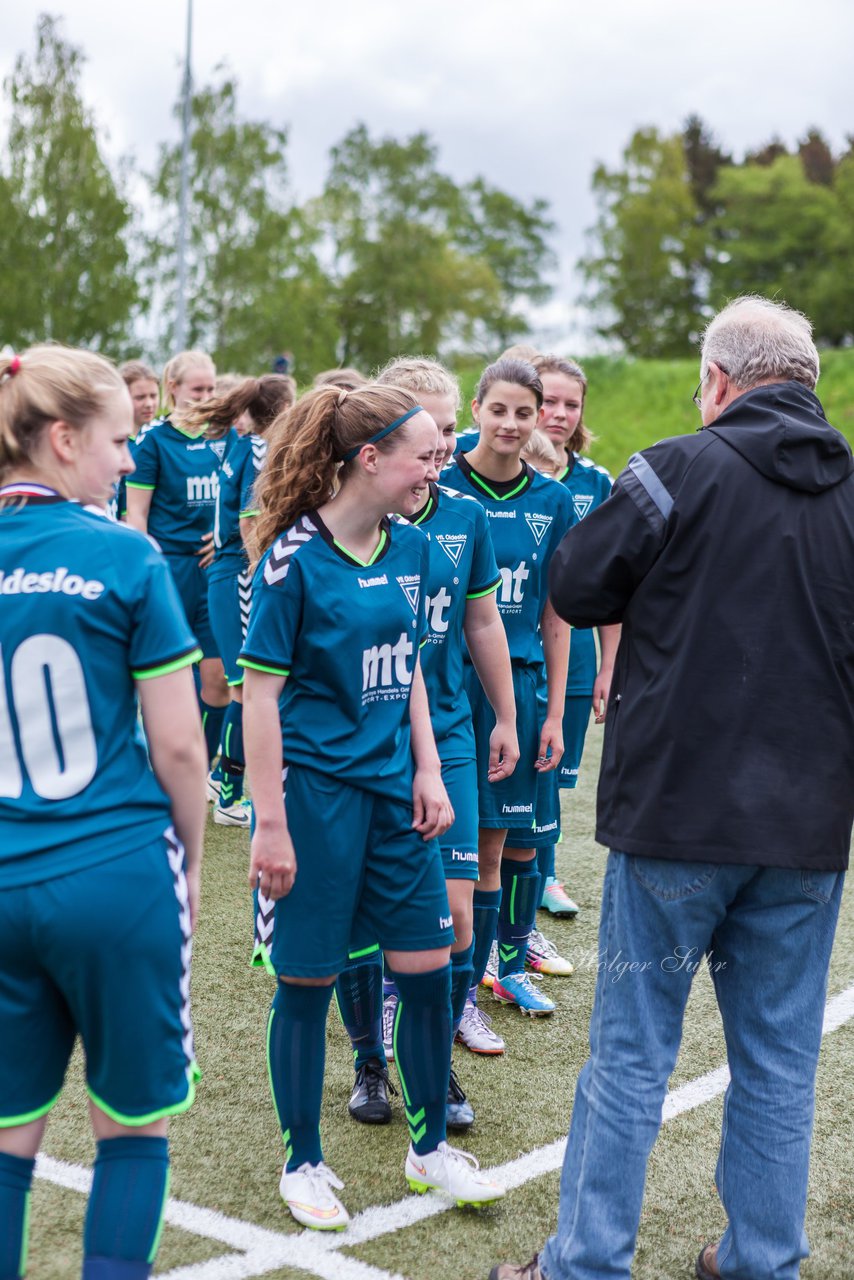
<point x="683" y="227"/>
<point x="392" y="256"/>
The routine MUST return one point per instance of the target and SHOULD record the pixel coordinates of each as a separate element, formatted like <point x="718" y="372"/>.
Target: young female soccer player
<point x="172" y="496"/>
<point x="333" y="684"/>
<point x="92" y="941"/>
<point x="564" y="393"/>
<point x="252" y="404"/>
<point x="460" y="593"/>
<point x="144" y="388"/>
<point x="528" y="515"/>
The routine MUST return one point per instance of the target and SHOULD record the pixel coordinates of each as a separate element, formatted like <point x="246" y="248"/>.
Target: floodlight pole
<point x="186" y="121"/>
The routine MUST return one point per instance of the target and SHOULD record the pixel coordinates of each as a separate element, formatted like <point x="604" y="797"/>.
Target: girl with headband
<point x="334" y="692"/>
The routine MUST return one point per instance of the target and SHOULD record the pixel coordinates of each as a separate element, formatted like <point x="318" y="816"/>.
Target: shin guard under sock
<point x="212" y="718"/>
<point x="359" y="993"/>
<point x="461" y="975"/>
<point x="520" y="888"/>
<point x="16" y="1177"/>
<point x="296" y="1056"/>
<point x="233" y="759"/>
<point x="422" y="1052"/>
<point x="124" y="1216"/>
<point x="485" y="905"/>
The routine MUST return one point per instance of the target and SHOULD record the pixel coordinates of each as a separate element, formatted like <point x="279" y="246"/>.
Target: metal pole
<point x="186" y="121"/>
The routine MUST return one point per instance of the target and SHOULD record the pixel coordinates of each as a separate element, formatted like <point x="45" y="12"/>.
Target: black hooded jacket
<point x="728" y="556"/>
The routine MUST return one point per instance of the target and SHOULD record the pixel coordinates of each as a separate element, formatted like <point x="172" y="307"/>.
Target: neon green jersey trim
<point x="261" y="959"/>
<point x="428" y="510"/>
<point x="268" y="671"/>
<point x="498" y="496"/>
<point x="168" y="667"/>
<point x="136" y="1122"/>
<point x="9" y="1122"/>
<point x="488" y="591"/>
<point x="244" y="515"/>
<point x="235" y="684"/>
<point x="130" y="484"/>
<point x="366" y="564"/>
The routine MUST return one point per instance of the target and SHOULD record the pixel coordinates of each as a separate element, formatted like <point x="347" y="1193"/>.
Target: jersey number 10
<point x="48" y="693"/>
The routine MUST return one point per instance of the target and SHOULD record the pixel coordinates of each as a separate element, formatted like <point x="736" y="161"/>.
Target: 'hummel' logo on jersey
<point x="453" y="545"/>
<point x="410" y="585"/>
<point x="538" y="525"/>
<point x="582" y="503"/>
<point x="381" y="581"/>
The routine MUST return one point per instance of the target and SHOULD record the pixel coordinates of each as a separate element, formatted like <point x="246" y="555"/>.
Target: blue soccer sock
<point x="124" y="1216"/>
<point x="16" y="1176"/>
<point x="359" y="993"/>
<point x="461" y="975"/>
<point x="485" y="905"/>
<point x="422" y="1052"/>
<point x="296" y="1056"/>
<point x="212" y="718"/>
<point x="520" y="887"/>
<point x="233" y="760"/>
<point x="546" y="864"/>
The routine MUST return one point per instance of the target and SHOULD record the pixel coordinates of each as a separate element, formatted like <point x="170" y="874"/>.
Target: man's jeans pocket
<point x="819" y="885"/>
<point x="672" y="881"/>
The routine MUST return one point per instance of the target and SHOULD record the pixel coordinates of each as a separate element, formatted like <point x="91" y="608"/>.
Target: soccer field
<point x="229" y="1223"/>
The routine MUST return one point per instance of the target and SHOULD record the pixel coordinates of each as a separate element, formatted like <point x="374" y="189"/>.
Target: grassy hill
<point x="632" y="403"/>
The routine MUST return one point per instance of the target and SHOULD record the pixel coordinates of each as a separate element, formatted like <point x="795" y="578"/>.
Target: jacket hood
<point x="781" y="430"/>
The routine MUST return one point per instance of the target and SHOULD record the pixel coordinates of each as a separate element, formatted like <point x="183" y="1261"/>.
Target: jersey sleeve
<point x="146" y="456"/>
<point x="485" y="577"/>
<point x="277" y="605"/>
<point x="161" y="641"/>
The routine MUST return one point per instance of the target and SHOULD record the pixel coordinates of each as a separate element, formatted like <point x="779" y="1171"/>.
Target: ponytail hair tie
<point x="13" y="367"/>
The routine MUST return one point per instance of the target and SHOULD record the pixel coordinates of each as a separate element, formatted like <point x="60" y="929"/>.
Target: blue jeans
<point x="768" y="935"/>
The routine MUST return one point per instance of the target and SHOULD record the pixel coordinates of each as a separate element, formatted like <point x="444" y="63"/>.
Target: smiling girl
<point x="349" y="857"/>
<point x="528" y="515"/>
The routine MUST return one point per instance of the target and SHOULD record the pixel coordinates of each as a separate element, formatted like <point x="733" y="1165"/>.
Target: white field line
<point x="261" y="1251"/>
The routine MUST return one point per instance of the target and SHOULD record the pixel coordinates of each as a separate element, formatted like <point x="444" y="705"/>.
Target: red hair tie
<point x="14" y="366"/>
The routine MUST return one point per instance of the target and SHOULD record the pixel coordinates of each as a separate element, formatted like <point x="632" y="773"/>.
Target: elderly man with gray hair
<point x="726" y="794"/>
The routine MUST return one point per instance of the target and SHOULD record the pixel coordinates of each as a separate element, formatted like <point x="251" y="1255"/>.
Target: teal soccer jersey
<point x="88" y="606"/>
<point x="346" y="635"/>
<point x="243" y="460"/>
<point x="527" y="521"/>
<point x="589" y="486"/>
<point x="461" y="568"/>
<point x="182" y="473"/>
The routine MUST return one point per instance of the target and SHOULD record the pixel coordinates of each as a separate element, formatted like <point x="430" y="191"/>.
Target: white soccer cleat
<point x="475" y="1031"/>
<point x="235" y="815"/>
<point x="452" y="1173"/>
<point x="307" y="1192"/>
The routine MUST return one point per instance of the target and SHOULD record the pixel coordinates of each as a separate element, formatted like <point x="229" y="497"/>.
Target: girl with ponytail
<point x="349" y="856"/>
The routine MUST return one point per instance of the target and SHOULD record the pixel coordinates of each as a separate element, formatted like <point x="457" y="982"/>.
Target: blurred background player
<point x="144" y="388"/>
<point x="250" y="405"/>
<point x="90" y="623"/>
<point x="333" y="685"/>
<point x="346" y="379"/>
<point x="460" y="595"/>
<point x="528" y="515"/>
<point x="172" y="496"/>
<point x="564" y="394"/>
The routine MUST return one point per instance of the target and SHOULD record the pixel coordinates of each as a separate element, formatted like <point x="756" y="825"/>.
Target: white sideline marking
<point x="260" y="1250"/>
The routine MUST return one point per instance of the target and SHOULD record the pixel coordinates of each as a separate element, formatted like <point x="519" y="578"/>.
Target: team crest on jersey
<point x="410" y="585"/>
<point x="582" y="503"/>
<point x="453" y="545"/>
<point x="538" y="524"/>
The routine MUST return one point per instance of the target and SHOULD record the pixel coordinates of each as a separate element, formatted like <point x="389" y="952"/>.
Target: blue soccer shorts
<point x="576" y="717"/>
<point x="510" y="802"/>
<point x="459" y="843"/>
<point x="103" y="953"/>
<point x="192" y="583"/>
<point x="228" y="610"/>
<point x="363" y="877"/>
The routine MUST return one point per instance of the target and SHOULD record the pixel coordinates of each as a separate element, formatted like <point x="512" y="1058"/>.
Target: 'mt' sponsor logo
<point x="203" y="488"/>
<point x="386" y="677"/>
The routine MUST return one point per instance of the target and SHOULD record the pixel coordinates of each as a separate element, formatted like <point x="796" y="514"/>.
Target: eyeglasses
<point x="696" y="397"/>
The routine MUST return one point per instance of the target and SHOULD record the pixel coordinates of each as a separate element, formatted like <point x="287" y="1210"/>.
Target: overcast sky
<point x="529" y="93"/>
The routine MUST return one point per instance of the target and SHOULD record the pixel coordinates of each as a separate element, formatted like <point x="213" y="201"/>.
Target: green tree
<point x="703" y="158"/>
<point x="256" y="285"/>
<point x="647" y="249"/>
<point x="419" y="263"/>
<point x="784" y="236"/>
<point x="64" y="218"/>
